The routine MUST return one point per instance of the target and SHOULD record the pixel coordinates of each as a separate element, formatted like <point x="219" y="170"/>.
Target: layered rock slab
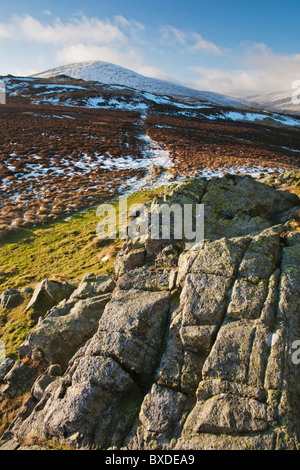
<point x="189" y="355"/>
<point x="113" y="368"/>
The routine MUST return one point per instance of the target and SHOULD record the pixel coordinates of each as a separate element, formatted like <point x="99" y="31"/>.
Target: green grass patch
<point x="62" y="250"/>
<point x="15" y="325"/>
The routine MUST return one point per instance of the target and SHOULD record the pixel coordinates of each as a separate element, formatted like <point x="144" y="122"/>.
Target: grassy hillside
<point x="63" y="250"/>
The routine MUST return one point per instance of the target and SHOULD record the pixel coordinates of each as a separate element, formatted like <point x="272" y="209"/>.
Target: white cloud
<point x="83" y="52"/>
<point x="172" y="34"/>
<point x="232" y="82"/>
<point x="262" y="71"/>
<point x="201" y="44"/>
<point x="132" y="25"/>
<point x="115" y="40"/>
<point x="83" y="39"/>
<point x="250" y="68"/>
<point x="190" y="41"/>
<point x="130" y="58"/>
<point x="154" y="72"/>
<point x="277" y="70"/>
<point x="6" y="31"/>
<point x="82" y="29"/>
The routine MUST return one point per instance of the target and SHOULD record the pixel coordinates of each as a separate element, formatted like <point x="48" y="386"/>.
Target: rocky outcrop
<point x="47" y="294"/>
<point x="190" y="349"/>
<point x="5" y="367"/>
<point x="10" y="298"/>
<point x="70" y="324"/>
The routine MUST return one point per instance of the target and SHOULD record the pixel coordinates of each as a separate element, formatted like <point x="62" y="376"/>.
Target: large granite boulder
<point x="193" y="349"/>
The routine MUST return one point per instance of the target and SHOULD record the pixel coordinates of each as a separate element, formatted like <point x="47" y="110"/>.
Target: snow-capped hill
<point x="280" y="101"/>
<point x="110" y="74"/>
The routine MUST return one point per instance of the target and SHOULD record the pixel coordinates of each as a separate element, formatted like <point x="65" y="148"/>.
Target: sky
<point x="234" y="47"/>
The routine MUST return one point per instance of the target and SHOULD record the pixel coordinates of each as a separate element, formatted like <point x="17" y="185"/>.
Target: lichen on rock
<point x="183" y="349"/>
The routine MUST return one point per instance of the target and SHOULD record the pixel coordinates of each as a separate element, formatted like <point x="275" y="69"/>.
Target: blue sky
<point x="235" y="47"/>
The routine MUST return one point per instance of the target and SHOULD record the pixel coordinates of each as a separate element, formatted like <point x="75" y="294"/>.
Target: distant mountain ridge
<point x="111" y="74"/>
<point x="279" y="101"/>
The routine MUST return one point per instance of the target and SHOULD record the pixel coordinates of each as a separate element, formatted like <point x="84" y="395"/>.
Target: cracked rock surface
<point x="195" y="353"/>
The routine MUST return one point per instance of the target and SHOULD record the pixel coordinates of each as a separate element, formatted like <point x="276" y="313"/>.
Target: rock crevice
<point x="184" y="349"/>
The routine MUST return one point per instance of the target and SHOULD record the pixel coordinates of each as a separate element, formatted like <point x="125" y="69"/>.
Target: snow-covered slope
<point x="281" y="102"/>
<point x="70" y="92"/>
<point x="111" y="74"/>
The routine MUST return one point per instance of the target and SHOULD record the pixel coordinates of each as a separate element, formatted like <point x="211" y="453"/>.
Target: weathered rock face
<point x="47" y="294"/>
<point x="19" y="378"/>
<point x="10" y="298"/>
<point x="194" y="352"/>
<point x="70" y="324"/>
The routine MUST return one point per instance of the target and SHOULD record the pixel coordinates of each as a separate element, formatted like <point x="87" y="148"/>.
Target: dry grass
<point x="41" y="159"/>
<point x="9" y="408"/>
<point x="59" y="251"/>
<point x="195" y="144"/>
<point x="42" y="152"/>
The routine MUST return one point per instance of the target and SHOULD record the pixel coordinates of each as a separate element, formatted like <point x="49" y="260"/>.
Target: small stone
<point x="11" y="298"/>
<point x="5" y="367"/>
